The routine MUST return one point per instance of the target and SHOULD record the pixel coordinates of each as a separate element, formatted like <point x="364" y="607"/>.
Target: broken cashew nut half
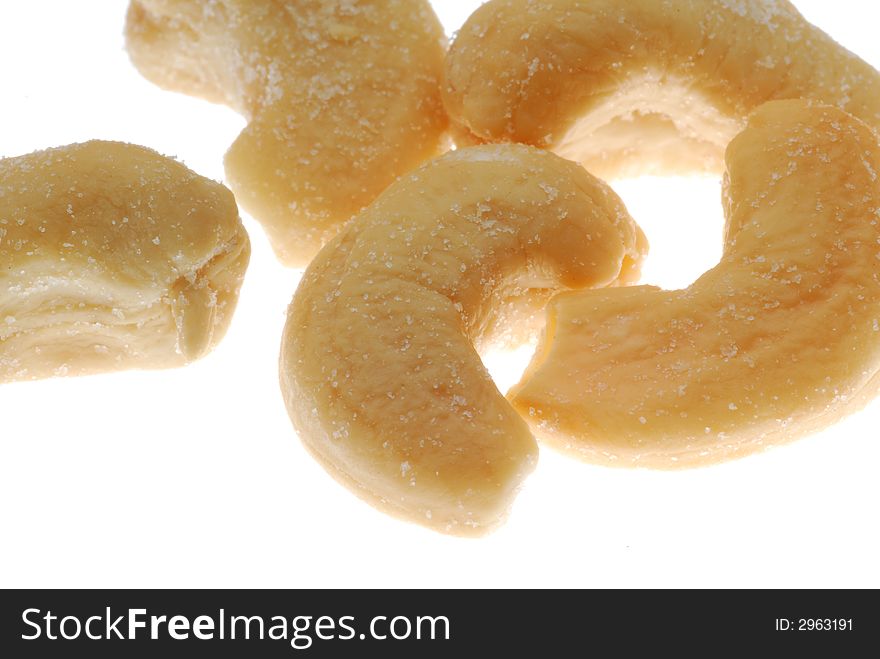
<point x="112" y="257"/>
<point x="379" y="368"/>
<point x="780" y="339"/>
<point x="341" y="99"/>
<point x="631" y="87"/>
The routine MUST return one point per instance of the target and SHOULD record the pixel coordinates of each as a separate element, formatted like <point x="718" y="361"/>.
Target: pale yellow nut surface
<point x="642" y="86"/>
<point x="341" y="96"/>
<point x="780" y="339"/>
<point x="112" y="257"/>
<point x="378" y="365"/>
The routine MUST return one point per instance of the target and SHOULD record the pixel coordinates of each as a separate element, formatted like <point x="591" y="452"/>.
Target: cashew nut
<point x="378" y="364"/>
<point x="780" y="339"/>
<point x="341" y="98"/>
<point x="642" y="86"/>
<point x="112" y="257"/>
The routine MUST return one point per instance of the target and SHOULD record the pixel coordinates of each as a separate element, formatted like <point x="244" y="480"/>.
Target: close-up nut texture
<point x="379" y="367"/>
<point x="780" y="339"/>
<point x="341" y="98"/>
<point x="112" y="257"/>
<point x="629" y="87"/>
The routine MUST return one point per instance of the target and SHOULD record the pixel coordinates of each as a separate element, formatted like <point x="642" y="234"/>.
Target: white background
<point x="195" y="478"/>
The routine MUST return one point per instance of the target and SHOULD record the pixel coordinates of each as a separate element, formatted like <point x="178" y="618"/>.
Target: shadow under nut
<point x="112" y="257"/>
<point x="780" y="339"/>
<point x="341" y="98"/>
<point x="642" y="86"/>
<point x="378" y="362"/>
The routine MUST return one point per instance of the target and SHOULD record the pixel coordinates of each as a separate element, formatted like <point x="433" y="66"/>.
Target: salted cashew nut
<point x="780" y="339"/>
<point x="112" y="257"/>
<point x="631" y="87"/>
<point x="379" y="368"/>
<point x="341" y="96"/>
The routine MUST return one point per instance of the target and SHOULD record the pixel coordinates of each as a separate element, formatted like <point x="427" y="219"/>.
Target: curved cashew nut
<point x="341" y="98"/>
<point x="378" y="365"/>
<point x="780" y="339"/>
<point x="111" y="257"/>
<point x="642" y="86"/>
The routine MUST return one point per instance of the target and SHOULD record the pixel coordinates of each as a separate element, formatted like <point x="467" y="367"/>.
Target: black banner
<point x="154" y="623"/>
